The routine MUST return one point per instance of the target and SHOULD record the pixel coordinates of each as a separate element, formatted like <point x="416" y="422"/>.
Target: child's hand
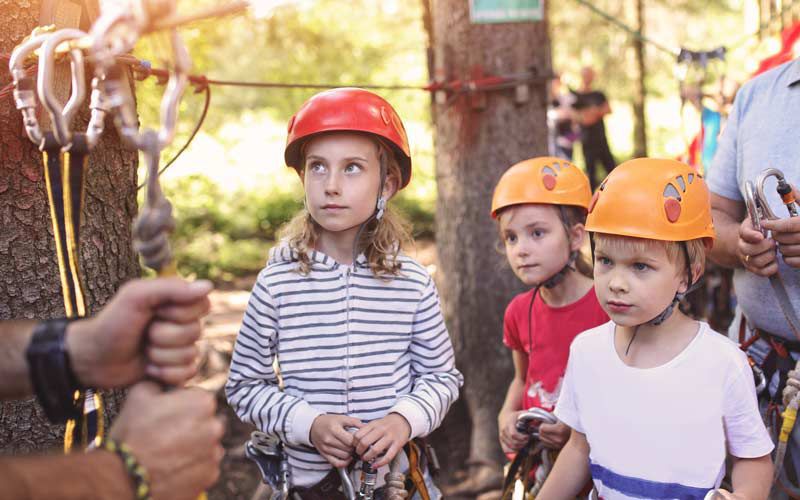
<point x="385" y="436"/>
<point x="554" y="435"/>
<point x="330" y="437"/>
<point x="511" y="440"/>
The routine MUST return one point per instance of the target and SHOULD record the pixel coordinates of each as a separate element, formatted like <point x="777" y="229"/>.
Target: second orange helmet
<point x="655" y="199"/>
<point x="545" y="179"/>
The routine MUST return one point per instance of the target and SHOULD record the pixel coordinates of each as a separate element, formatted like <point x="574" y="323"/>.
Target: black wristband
<point x="53" y="380"/>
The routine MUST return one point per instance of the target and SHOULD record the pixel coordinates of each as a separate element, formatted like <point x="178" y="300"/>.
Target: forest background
<point x="231" y="189"/>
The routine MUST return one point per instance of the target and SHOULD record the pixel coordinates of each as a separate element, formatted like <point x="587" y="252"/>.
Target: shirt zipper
<point x="348" y="271"/>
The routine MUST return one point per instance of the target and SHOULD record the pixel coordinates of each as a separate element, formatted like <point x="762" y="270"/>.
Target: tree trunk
<point x="473" y="148"/>
<point x="639" y="89"/>
<point x="29" y="277"/>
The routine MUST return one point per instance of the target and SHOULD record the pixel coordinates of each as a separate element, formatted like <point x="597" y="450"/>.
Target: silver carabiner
<point x="120" y="26"/>
<point x="61" y="116"/>
<point x="534" y="415"/>
<point x="25" y="98"/>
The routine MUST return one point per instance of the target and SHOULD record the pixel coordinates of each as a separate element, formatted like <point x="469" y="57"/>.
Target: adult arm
<point x="180" y="460"/>
<point x="108" y="350"/>
<point x="90" y="476"/>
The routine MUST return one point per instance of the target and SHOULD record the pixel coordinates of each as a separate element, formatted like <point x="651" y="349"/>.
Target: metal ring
<point x="746" y="259"/>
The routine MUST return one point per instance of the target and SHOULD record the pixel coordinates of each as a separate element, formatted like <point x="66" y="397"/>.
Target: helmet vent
<point x="681" y="183"/>
<point x="691" y="178"/>
<point x="672" y="192"/>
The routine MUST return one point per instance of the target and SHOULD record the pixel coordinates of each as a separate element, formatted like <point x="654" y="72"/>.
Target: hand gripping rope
<point x="64" y="157"/>
<point x="533" y="454"/>
<point x="758" y="209"/>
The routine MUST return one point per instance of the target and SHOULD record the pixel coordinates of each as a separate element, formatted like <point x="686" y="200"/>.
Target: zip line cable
<point x="638" y="34"/>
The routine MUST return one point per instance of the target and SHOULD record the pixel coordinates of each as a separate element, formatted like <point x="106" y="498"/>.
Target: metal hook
<point x="25" y="86"/>
<point x="61" y="116"/>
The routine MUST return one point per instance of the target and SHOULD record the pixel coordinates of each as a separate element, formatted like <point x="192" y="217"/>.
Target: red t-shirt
<point x="551" y="332"/>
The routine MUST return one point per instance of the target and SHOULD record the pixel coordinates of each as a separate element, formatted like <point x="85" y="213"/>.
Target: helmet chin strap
<point x="557" y="278"/>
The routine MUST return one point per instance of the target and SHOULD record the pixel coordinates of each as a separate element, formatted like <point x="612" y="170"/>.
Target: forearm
<point x="724" y="251"/>
<point x="14" y="339"/>
<point x="91" y="476"/>
<point x="752" y="477"/>
<point x="570" y="472"/>
<point x="513" y="401"/>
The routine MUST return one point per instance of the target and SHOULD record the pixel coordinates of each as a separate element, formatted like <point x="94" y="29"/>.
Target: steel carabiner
<point x="61" y="116"/>
<point x="25" y="98"/>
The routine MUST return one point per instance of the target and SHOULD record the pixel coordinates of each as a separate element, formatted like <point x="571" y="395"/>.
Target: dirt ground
<point x="240" y="479"/>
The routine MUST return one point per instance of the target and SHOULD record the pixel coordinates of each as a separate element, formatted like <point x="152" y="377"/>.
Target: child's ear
<point x="577" y="234"/>
<point x="389" y="187"/>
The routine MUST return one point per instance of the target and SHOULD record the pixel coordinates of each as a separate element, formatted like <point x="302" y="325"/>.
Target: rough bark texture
<point x="639" y="88"/>
<point x="473" y="148"/>
<point x="29" y="283"/>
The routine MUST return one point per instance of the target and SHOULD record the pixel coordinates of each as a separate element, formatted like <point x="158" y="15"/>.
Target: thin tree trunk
<point x="29" y="277"/>
<point x="639" y="88"/>
<point x="473" y="148"/>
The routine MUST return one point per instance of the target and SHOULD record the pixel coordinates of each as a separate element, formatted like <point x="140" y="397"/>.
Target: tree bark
<point x="639" y="88"/>
<point x="473" y="148"/>
<point x="29" y="277"/>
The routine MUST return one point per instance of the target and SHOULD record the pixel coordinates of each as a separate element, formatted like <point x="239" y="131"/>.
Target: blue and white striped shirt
<point x="347" y="343"/>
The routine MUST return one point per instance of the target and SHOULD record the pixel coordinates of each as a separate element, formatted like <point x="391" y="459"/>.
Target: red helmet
<point x="348" y="109"/>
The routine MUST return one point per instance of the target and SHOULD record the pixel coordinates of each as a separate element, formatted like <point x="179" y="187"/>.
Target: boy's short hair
<point x="696" y="249"/>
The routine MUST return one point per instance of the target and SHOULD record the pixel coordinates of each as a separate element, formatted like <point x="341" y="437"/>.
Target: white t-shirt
<point x="661" y="432"/>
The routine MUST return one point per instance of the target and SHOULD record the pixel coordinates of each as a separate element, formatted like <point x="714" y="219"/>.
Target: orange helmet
<point x="655" y="199"/>
<point x="348" y="109"/>
<point x="545" y="179"/>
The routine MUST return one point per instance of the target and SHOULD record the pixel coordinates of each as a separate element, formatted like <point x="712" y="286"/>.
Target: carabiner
<point x="784" y="191"/>
<point x="25" y="86"/>
<point x="534" y="415"/>
<point x="61" y="115"/>
<point x="118" y="28"/>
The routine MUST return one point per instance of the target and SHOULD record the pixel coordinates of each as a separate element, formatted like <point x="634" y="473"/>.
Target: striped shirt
<point x="347" y="343"/>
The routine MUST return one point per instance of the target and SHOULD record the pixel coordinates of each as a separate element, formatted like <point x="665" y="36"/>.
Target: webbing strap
<point x="51" y="153"/>
<point x="64" y="179"/>
<point x="415" y="472"/>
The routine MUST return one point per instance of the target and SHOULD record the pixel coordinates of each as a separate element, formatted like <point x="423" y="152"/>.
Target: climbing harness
<point x="534" y="455"/>
<point x="269" y="455"/>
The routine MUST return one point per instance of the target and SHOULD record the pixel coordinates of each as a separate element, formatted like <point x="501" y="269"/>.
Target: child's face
<point x="341" y="177"/>
<point x="634" y="279"/>
<point x="536" y="244"/>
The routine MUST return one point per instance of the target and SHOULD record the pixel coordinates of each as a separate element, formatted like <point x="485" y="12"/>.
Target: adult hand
<point x="554" y="436"/>
<point x="511" y="440"/>
<point x="149" y="327"/>
<point x="382" y="439"/>
<point x="175" y="436"/>
<point x="333" y="441"/>
<point x="786" y="232"/>
<point x="756" y="252"/>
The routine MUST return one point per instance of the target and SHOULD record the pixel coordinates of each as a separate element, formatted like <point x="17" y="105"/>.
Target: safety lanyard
<point x="64" y="160"/>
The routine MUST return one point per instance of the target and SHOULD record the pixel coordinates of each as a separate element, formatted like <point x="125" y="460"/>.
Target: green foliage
<point x="221" y="235"/>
